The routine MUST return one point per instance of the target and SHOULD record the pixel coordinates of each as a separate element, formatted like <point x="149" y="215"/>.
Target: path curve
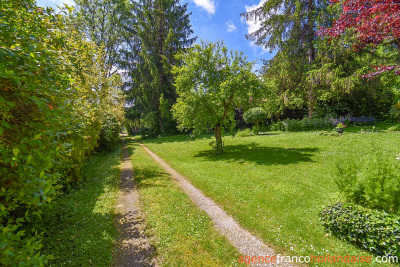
<point x="246" y="243"/>
<point x="132" y="248"/>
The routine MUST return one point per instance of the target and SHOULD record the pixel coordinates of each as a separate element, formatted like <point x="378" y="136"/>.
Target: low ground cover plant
<point x="375" y="231"/>
<point x="371" y="184"/>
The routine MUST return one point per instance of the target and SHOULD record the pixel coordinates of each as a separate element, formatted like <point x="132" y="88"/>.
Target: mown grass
<point x="277" y="184"/>
<point x="80" y="228"/>
<point x="182" y="234"/>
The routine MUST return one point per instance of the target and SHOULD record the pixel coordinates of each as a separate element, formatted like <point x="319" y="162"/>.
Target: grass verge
<point x="80" y="228"/>
<point x="275" y="185"/>
<point x="183" y="234"/>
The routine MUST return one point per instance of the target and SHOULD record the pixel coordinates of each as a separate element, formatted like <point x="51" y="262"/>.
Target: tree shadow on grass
<point x="184" y="137"/>
<point x="260" y="154"/>
<point x="149" y="177"/>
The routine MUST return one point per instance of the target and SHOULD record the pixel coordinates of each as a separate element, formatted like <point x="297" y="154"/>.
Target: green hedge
<point x="52" y="109"/>
<point x="376" y="231"/>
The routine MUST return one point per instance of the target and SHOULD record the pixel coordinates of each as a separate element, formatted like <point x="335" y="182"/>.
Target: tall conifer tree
<point x="163" y="29"/>
<point x="290" y="27"/>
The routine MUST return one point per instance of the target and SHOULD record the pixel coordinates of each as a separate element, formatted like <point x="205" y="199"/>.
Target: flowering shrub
<point x="340" y="125"/>
<point x="346" y="120"/>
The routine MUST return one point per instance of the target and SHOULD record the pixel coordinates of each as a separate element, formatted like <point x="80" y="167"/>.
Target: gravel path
<point x="132" y="248"/>
<point x="246" y="243"/>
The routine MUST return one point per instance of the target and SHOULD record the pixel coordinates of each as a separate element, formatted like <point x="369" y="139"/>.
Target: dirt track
<point x="132" y="248"/>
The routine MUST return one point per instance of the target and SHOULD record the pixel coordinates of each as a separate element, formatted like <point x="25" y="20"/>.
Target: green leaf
<point x="5" y="124"/>
<point x="16" y="151"/>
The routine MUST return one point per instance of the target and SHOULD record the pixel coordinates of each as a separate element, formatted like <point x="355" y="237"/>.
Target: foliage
<point x="371" y="180"/>
<point x="52" y="107"/>
<point x="255" y="115"/>
<point x="109" y="134"/>
<point x="210" y="82"/>
<point x="373" y="23"/>
<point x="289" y="27"/>
<point x="245" y="133"/>
<point x="104" y="23"/>
<point x="394" y="114"/>
<point x="372" y="230"/>
<point x="320" y="72"/>
<point x="339" y="75"/>
<point x="306" y="124"/>
<point x="394" y="128"/>
<point x="162" y="30"/>
<point x="277" y="126"/>
<point x="340" y="125"/>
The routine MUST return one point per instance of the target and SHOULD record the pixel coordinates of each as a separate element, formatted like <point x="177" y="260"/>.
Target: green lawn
<point x="80" y="229"/>
<point x="275" y="185"/>
<point x="182" y="234"/>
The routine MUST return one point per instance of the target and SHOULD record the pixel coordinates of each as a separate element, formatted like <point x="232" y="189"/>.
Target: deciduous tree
<point x="373" y="23"/>
<point x="211" y="82"/>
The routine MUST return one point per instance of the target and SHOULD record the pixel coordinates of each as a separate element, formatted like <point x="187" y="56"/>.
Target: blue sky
<point x="214" y="20"/>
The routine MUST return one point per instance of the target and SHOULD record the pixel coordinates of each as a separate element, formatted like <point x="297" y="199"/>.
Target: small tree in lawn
<point x="210" y="82"/>
<point x="255" y="115"/>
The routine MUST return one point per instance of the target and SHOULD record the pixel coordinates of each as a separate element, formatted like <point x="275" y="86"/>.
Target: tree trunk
<point x="218" y="139"/>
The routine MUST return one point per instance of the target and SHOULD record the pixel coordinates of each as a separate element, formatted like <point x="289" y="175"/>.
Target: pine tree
<point x="290" y="27"/>
<point x="162" y="29"/>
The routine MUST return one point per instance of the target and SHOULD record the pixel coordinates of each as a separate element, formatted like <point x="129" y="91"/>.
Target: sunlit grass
<point x="275" y="185"/>
<point x="182" y="234"/>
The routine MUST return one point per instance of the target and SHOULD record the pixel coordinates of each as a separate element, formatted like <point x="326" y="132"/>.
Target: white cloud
<point x="208" y="5"/>
<point x="231" y="26"/>
<point x="253" y="26"/>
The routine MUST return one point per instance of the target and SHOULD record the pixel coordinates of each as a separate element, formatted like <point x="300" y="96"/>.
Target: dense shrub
<point x="276" y="126"/>
<point x="371" y="180"/>
<point x="109" y="134"/>
<point x="308" y="124"/>
<point x="372" y="230"/>
<point x="255" y="115"/>
<point x="52" y="102"/>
